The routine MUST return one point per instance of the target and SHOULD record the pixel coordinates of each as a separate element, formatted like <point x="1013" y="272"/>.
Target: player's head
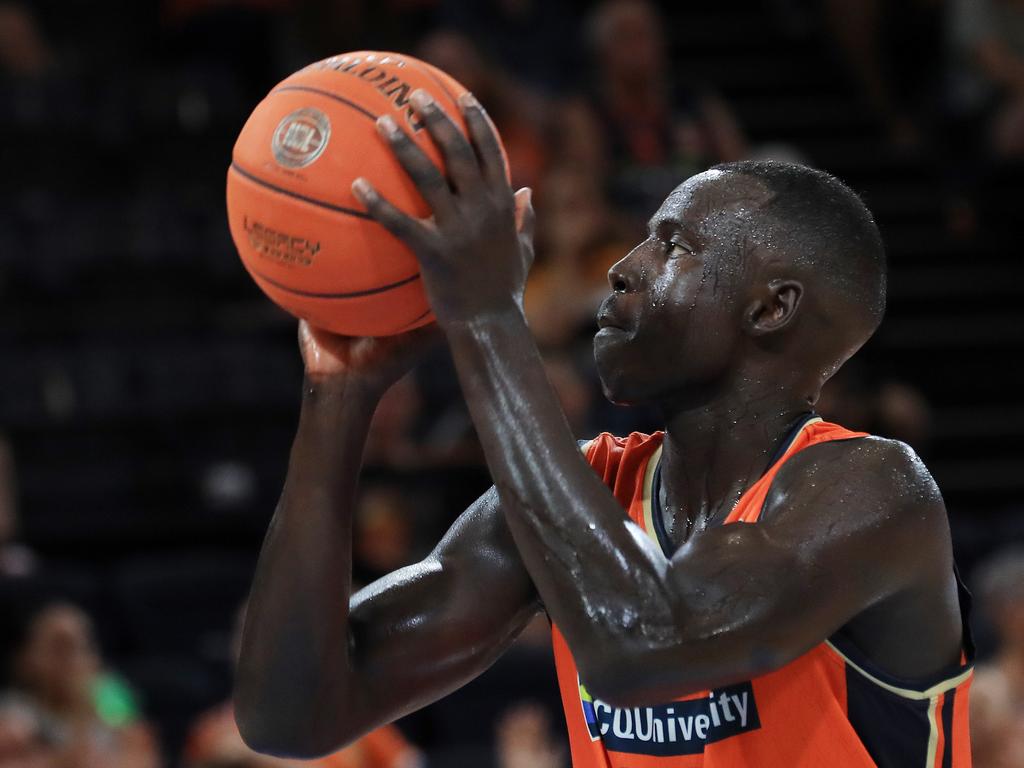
<point x="757" y="274"/>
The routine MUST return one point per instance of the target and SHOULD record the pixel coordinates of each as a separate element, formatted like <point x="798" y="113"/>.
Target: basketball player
<point x="752" y="587"/>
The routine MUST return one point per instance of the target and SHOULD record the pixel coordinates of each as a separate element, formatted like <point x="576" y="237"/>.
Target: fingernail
<point x="468" y="101"/>
<point x="529" y="195"/>
<point x="421" y="99"/>
<point x="387" y="126"/>
<point x="361" y="189"/>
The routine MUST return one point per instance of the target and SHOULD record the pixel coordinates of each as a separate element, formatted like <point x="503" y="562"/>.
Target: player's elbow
<point x="638" y="678"/>
<point x="629" y="679"/>
<point x="273" y="733"/>
<point x="286" y="746"/>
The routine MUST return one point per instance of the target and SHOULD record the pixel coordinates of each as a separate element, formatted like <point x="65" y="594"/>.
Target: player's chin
<point x="613" y="370"/>
<point x="619" y="393"/>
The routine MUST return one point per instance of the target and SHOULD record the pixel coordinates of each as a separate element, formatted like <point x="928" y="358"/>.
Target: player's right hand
<point x="376" y="361"/>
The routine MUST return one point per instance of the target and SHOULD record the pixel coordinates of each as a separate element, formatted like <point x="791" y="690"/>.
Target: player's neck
<point x="714" y="451"/>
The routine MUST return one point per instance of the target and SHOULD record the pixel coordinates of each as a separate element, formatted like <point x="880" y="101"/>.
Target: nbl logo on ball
<point x="301" y="137"/>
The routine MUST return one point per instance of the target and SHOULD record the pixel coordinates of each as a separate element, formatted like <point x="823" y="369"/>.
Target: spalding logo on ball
<point x="301" y="234"/>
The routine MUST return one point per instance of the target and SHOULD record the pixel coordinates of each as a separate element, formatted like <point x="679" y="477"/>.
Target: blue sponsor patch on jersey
<point x="677" y="728"/>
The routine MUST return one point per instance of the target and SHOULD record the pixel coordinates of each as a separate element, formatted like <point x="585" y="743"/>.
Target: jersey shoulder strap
<point x="810" y="432"/>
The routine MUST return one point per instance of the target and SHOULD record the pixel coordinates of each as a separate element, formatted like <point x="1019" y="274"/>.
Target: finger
<point x="406" y="228"/>
<point x="424" y="174"/>
<point x="459" y="157"/>
<point x="312" y="343"/>
<point x="485" y="140"/>
<point x="525" y="217"/>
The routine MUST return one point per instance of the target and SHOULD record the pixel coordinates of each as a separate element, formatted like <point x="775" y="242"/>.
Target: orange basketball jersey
<point x="830" y="707"/>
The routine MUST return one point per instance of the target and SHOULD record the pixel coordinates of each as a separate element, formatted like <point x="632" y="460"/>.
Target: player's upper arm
<point x="846" y="526"/>
<point x="427" y="629"/>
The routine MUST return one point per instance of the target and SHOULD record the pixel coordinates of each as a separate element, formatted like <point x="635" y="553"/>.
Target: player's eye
<point x="675" y="249"/>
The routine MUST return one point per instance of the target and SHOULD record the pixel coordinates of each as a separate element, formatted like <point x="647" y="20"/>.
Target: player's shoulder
<point x="864" y="467"/>
<point x="886" y="461"/>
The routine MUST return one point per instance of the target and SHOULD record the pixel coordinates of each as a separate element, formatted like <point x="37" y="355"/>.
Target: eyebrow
<point x="658" y="222"/>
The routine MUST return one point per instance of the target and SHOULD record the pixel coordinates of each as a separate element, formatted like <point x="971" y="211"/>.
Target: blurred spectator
<point x="534" y="40"/>
<point x="459" y="730"/>
<point x="15" y="559"/>
<point x="903" y="413"/>
<point x="22" y="742"/>
<point x="422" y="421"/>
<point x="525" y="741"/>
<point x="65" y="704"/>
<point x="988" y="78"/>
<point x="574" y="394"/>
<point x="579" y="237"/>
<point x="997" y="694"/>
<point x="653" y="131"/>
<point x="24" y="50"/>
<point x="391" y="441"/>
<point x="383" y="537"/>
<point x="519" y="114"/>
<point x="888" y="408"/>
<point x="890" y="49"/>
<point x="214" y="741"/>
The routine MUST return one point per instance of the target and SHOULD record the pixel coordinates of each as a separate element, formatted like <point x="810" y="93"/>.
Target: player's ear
<point x="774" y="307"/>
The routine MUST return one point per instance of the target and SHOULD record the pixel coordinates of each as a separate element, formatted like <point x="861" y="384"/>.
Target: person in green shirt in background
<point x="63" y="707"/>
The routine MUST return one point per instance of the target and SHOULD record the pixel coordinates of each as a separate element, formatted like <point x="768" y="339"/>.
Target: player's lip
<point x="607" y="319"/>
<point x="604" y="322"/>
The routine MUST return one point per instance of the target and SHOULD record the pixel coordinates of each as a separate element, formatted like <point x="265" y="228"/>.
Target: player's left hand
<point x="476" y="250"/>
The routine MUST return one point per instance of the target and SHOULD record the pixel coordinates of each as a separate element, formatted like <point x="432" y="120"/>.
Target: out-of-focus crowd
<point x="601" y="115"/>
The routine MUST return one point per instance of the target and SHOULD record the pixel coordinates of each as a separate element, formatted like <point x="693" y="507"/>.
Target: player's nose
<point x="623" y="277"/>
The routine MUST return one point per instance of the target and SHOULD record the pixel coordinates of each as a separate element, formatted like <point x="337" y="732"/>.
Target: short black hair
<point x="828" y="228"/>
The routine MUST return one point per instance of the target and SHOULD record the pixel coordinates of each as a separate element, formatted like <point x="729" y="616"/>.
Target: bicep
<point x="425" y="630"/>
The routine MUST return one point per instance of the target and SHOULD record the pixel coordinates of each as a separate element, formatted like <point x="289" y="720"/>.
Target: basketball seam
<point x="329" y="95"/>
<point x="350" y="295"/>
<point x="288" y="193"/>
<point x="415" y="320"/>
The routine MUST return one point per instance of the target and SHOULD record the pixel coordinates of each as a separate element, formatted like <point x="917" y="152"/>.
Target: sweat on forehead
<point x="714" y="191"/>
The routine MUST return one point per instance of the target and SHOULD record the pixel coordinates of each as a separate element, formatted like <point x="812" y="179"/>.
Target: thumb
<point x="525" y="217"/>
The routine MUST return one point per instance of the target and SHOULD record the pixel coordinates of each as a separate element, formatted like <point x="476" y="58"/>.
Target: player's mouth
<point x="608" y="323"/>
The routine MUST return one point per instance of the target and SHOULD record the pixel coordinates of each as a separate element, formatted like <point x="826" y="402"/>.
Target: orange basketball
<point x="302" y="235"/>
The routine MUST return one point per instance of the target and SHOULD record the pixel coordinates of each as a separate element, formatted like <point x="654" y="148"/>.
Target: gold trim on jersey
<point x="908" y="693"/>
<point x="648" y="486"/>
<point x="933" y="733"/>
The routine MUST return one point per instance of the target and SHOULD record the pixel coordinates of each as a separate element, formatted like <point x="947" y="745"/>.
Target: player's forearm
<point x="293" y="670"/>
<point x="603" y="584"/>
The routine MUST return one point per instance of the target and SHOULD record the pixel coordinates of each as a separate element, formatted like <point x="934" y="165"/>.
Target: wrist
<point x="507" y="317"/>
<point x="341" y="392"/>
